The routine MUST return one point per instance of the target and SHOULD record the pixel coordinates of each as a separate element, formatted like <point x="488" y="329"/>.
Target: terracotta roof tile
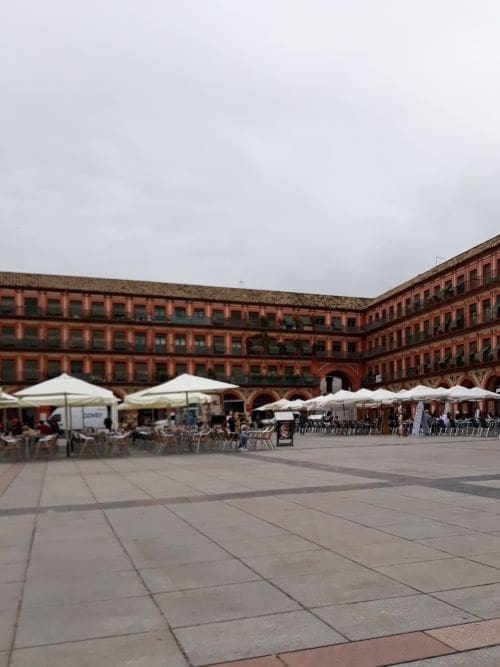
<point x="179" y="291"/>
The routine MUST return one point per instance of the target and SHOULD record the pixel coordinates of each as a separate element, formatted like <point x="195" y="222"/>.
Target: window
<point x="319" y="321"/>
<point x="160" y="313"/>
<point x="200" y="344"/>
<point x="97" y="309"/>
<point x="473" y="279"/>
<point x="399" y="309"/>
<point x="200" y="369"/>
<point x="180" y="311"/>
<point x="218" y="316"/>
<point x="487" y="273"/>
<point x="236" y="314"/>
<point x="141" y="372"/>
<point x="75" y="309"/>
<point x="272" y="371"/>
<point x="54" y="337"/>
<point x="320" y="346"/>
<point x="54" y="307"/>
<point x="180" y="343"/>
<point x="180" y="369"/>
<point x="31" y="369"/>
<point x="472" y="314"/>
<point x="351" y="323"/>
<point x="140" y="313"/>
<point x="336" y="346"/>
<point x="255" y="370"/>
<point x="351" y="348"/>
<point x="120" y="341"/>
<point x="219" y="344"/>
<point x="306" y="371"/>
<point x="238" y="371"/>
<point x="160" y="372"/>
<point x="98" y="370"/>
<point x="253" y="317"/>
<point x="7" y="305"/>
<point x="289" y="371"/>
<point x="8" y="369"/>
<point x="120" y="371"/>
<point x="53" y="368"/>
<point x="76" y="367"/>
<point x="31" y="336"/>
<point x="336" y="324"/>
<point x="219" y="371"/>
<point x="460" y="284"/>
<point x="76" y="339"/>
<point x="236" y="345"/>
<point x="8" y="335"/>
<point x="119" y="312"/>
<point x="140" y="342"/>
<point x="160" y="343"/>
<point x="199" y="313"/>
<point x="30" y="306"/>
<point x="271" y="320"/>
<point x="98" y="340"/>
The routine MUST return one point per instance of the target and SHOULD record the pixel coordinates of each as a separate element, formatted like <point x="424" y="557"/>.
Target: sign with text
<point x="417" y="420"/>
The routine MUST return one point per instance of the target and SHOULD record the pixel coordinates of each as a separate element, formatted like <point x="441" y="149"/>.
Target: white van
<point x="92" y="417"/>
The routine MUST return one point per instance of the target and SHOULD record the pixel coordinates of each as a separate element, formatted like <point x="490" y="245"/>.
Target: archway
<point x="233" y="401"/>
<point x="297" y="396"/>
<point x="335" y="380"/>
<point x="493" y="384"/>
<point x="467" y="382"/>
<point x="261" y="399"/>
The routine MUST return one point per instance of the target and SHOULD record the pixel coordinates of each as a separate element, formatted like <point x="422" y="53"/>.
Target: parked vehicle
<point x="88" y="417"/>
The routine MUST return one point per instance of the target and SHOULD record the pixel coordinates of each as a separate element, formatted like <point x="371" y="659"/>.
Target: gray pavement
<point x="193" y="560"/>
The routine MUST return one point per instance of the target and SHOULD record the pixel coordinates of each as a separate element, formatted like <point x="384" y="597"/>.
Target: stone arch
<point x="233" y="400"/>
<point x="260" y="397"/>
<point x="294" y="395"/>
<point x="467" y="382"/>
<point x="492" y="383"/>
<point x="347" y="377"/>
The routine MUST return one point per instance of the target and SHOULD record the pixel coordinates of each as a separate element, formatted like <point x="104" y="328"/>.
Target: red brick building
<point x="441" y="328"/>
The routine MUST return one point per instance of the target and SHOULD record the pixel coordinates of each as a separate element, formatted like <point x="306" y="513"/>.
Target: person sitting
<point x="44" y="428"/>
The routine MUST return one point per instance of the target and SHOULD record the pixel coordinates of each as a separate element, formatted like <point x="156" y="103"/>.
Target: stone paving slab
<point x="260" y="636"/>
<point x="67" y="623"/>
<point x="443" y="574"/>
<point x="483" y="601"/>
<point x="223" y="603"/>
<point x="183" y="576"/>
<point x="148" y="649"/>
<point x="364" y="620"/>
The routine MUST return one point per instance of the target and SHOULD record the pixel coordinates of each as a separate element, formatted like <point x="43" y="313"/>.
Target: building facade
<point x="439" y="328"/>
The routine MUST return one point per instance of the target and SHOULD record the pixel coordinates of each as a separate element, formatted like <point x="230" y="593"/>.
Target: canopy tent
<point x="138" y="400"/>
<point x="67" y="391"/>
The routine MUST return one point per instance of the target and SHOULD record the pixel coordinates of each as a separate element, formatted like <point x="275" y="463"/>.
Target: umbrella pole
<point x="66" y="424"/>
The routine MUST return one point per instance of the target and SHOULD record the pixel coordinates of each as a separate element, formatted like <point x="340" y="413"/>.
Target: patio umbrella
<point x="188" y="384"/>
<point x="280" y="404"/>
<point x="138" y="400"/>
<point x="66" y="391"/>
<point x="459" y="393"/>
<point x="7" y="400"/>
<point x="423" y="393"/>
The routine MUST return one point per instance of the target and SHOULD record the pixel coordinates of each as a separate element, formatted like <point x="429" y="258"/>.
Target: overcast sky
<point x="337" y="146"/>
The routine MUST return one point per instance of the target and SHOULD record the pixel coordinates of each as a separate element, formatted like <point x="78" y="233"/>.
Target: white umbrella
<point x="298" y="404"/>
<point x="7" y="400"/>
<point x="423" y="393"/>
<point x="385" y="396"/>
<point x="138" y="400"/>
<point x="339" y="397"/>
<point x="65" y="390"/>
<point x="280" y="404"/>
<point x="187" y="384"/>
<point x="459" y="393"/>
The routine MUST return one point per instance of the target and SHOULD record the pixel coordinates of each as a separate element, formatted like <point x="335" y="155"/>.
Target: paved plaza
<point x="357" y="551"/>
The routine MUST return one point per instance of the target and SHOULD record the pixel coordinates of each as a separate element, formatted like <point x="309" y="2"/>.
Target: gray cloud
<point x="330" y="147"/>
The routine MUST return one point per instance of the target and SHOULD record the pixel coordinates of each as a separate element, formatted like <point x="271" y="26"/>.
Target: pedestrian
<point x="243" y="444"/>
